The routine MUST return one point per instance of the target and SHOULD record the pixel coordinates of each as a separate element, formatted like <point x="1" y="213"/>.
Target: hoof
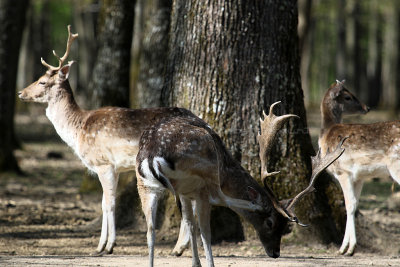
<point x="101" y="253"/>
<point x="97" y="253"/>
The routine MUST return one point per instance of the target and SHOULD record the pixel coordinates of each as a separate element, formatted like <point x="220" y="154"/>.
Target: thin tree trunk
<point x="228" y="61"/>
<point x="305" y="7"/>
<point x="110" y="76"/>
<point x="390" y="58"/>
<point x="374" y="62"/>
<point x="153" y="53"/>
<point x="12" y="21"/>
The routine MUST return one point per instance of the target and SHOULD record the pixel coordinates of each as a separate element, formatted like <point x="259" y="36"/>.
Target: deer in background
<point x="187" y="157"/>
<point x="372" y="150"/>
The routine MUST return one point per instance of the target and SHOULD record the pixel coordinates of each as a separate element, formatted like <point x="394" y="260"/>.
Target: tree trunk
<point x="390" y="58"/>
<point x="85" y="17"/>
<point x="110" y="78"/>
<point x="305" y="46"/>
<point x="12" y="21"/>
<point x="374" y="62"/>
<point x="153" y="53"/>
<point x="228" y="61"/>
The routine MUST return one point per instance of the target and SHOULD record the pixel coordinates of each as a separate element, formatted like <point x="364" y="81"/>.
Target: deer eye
<point x="42" y="83"/>
<point x="347" y="98"/>
<point x="269" y="223"/>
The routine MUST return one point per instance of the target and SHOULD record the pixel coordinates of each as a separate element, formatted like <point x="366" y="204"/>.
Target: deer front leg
<point x="103" y="236"/>
<point x="183" y="239"/>
<point x="351" y="194"/>
<point x="109" y="181"/>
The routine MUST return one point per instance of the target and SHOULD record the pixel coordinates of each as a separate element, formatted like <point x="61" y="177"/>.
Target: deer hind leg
<point x="149" y="198"/>
<point x="109" y="181"/>
<point x="184" y="236"/>
<point x="351" y="192"/>
<point x="189" y="223"/>
<point x="203" y="210"/>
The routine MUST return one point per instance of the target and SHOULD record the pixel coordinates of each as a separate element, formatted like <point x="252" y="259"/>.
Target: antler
<point x="318" y="165"/>
<point x="71" y="38"/>
<point x="269" y="128"/>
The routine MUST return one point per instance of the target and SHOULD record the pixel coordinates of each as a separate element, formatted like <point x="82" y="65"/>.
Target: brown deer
<point x="106" y="139"/>
<point x="187" y="157"/>
<point x="372" y="150"/>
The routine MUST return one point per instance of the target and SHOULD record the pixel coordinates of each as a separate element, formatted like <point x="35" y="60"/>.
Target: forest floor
<point x="45" y="220"/>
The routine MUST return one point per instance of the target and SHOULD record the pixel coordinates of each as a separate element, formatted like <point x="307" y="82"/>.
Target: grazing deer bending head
<point x="185" y="156"/>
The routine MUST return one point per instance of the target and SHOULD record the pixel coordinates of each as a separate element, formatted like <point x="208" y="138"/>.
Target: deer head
<point x="49" y="85"/>
<point x="269" y="127"/>
<point x="339" y="101"/>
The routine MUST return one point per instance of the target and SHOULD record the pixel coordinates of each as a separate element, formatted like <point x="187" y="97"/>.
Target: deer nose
<point x="274" y="254"/>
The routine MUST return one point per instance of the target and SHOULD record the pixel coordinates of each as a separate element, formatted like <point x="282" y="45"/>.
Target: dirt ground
<point x="45" y="224"/>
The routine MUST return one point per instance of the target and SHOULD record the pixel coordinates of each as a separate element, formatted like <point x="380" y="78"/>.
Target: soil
<point x="46" y="221"/>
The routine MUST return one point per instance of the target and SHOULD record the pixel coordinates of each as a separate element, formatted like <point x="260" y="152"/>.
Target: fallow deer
<point x="105" y="139"/>
<point x="187" y="157"/>
<point x="372" y="150"/>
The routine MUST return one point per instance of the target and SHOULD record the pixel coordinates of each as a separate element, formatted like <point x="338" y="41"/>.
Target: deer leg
<point x="203" y="210"/>
<point x="149" y="198"/>
<point x="190" y="226"/>
<point x="109" y="180"/>
<point x="183" y="240"/>
<point x="394" y="171"/>
<point x="351" y="194"/>
<point x="103" y="236"/>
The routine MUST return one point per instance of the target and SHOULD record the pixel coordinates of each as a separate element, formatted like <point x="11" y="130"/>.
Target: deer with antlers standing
<point x="372" y="150"/>
<point x="187" y="157"/>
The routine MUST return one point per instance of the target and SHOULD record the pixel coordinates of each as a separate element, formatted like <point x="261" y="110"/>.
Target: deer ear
<point x="63" y="73"/>
<point x="254" y="194"/>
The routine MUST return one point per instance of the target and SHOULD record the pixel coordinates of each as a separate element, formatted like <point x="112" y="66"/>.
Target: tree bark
<point x="228" y="61"/>
<point x="12" y="21"/>
<point x="153" y="53"/>
<point x="110" y="78"/>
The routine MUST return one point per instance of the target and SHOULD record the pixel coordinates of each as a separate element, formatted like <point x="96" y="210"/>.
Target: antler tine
<point x="71" y="38"/>
<point x="269" y="128"/>
<point x="318" y="165"/>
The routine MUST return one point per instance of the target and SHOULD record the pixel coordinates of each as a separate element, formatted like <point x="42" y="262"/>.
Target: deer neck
<point x="65" y="115"/>
<point x="331" y="114"/>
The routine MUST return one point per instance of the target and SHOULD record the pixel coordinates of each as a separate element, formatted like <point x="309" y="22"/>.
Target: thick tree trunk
<point x="110" y="76"/>
<point x="12" y="21"/>
<point x="228" y="61"/>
